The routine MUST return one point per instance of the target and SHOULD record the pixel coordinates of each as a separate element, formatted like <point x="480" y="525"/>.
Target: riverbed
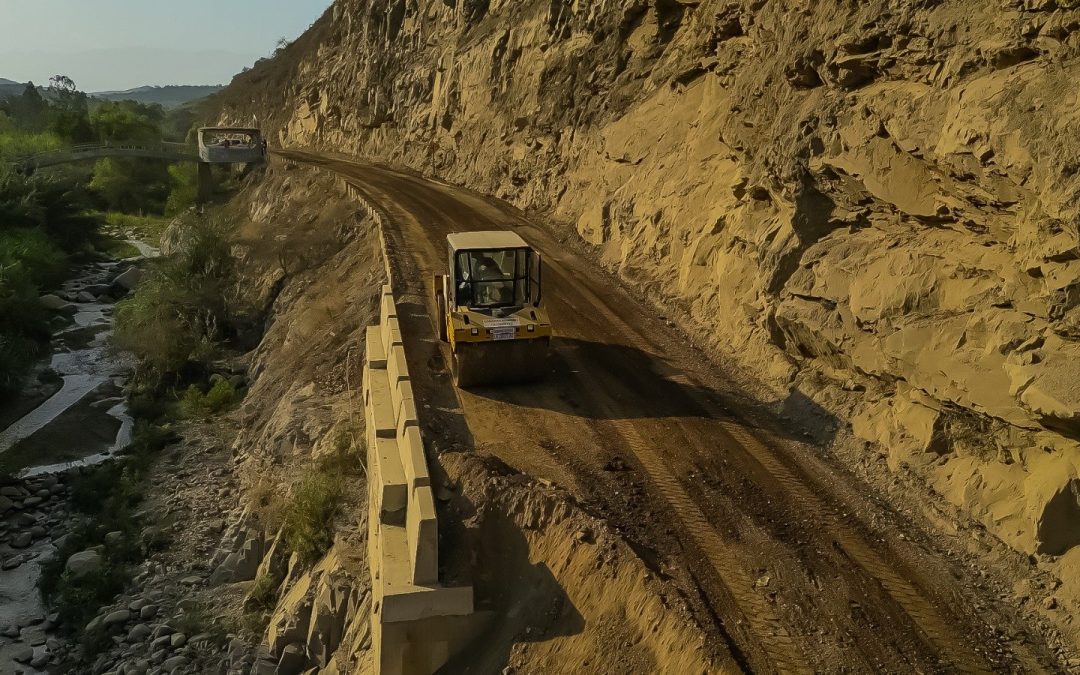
<point x="83" y="422"/>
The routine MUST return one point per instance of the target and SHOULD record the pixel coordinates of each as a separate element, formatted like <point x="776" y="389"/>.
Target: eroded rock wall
<point x="882" y="194"/>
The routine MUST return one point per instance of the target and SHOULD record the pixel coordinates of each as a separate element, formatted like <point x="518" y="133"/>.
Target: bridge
<point x="217" y="145"/>
<point x="170" y="152"/>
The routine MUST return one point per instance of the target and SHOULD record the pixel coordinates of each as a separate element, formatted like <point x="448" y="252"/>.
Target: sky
<point x="107" y="45"/>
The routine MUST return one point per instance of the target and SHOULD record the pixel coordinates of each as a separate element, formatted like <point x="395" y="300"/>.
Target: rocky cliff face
<point x="874" y="204"/>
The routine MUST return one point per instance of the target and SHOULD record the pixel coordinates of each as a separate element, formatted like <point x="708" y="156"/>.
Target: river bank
<point x="72" y="415"/>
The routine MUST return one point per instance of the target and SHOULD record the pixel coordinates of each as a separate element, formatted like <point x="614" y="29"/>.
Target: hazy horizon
<point x="115" y="45"/>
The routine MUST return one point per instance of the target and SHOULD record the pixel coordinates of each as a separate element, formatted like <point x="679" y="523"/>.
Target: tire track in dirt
<point x="939" y="632"/>
<point x="767" y="630"/>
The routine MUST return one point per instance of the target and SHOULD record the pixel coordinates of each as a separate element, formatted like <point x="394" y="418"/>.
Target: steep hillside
<point x="873" y="205"/>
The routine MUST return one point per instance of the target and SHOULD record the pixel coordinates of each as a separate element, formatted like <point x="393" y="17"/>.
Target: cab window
<point x="492" y="278"/>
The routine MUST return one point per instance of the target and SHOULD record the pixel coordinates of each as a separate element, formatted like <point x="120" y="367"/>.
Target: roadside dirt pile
<point x="565" y="591"/>
<point x="870" y="204"/>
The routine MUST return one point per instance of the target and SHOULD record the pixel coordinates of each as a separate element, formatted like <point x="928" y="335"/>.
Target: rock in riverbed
<point x="83" y="563"/>
<point x="129" y="279"/>
<point x="21" y="540"/>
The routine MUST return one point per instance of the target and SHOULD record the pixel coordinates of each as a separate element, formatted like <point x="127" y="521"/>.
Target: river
<point x="82" y="423"/>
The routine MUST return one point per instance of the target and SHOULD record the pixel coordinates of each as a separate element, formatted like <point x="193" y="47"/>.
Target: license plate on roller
<point x="502" y="333"/>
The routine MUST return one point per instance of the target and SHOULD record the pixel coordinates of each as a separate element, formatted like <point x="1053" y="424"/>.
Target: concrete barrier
<point x="416" y="621"/>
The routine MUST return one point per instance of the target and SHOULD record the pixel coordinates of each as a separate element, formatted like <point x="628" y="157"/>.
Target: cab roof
<point x="485" y="241"/>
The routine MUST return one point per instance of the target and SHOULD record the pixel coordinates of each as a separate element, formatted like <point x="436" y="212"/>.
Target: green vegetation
<point x="195" y="620"/>
<point x="263" y="594"/>
<point x="117" y="248"/>
<point x="149" y="228"/>
<point x="195" y="404"/>
<point x="131" y="185"/>
<point x="308" y="515"/>
<point x="51" y="218"/>
<point x="259" y="604"/>
<point x="14" y="144"/>
<point x="103" y="501"/>
<point x="65" y="115"/>
<point x="184" y="190"/>
<point x="181" y="313"/>
<point x="42" y="224"/>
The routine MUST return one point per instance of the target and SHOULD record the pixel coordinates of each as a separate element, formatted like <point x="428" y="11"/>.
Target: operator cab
<point x="493" y="272"/>
<point x="488" y="309"/>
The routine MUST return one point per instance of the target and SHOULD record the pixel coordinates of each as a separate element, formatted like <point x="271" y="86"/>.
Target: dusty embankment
<point x="869" y="206"/>
<point x="240" y="586"/>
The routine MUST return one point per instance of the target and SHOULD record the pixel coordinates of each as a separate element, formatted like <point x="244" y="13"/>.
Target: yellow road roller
<point x="489" y="309"/>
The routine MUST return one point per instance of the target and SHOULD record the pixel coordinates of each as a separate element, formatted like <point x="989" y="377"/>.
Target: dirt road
<point x="789" y="560"/>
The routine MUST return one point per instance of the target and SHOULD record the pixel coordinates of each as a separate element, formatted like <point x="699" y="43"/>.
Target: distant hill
<point x="171" y="96"/>
<point x="10" y="88"/>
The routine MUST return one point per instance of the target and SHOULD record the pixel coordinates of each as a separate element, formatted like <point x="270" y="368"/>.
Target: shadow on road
<point x="594" y="380"/>
<point x="524" y="601"/>
<point x="441" y="412"/>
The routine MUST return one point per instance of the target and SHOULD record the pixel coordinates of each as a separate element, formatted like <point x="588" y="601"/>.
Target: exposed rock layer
<point x="885" y="192"/>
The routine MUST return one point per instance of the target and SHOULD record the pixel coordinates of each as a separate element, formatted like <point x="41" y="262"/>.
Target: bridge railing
<point x="249" y="154"/>
<point x="166" y="150"/>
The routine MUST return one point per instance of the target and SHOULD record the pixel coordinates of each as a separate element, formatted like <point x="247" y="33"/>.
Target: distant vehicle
<point x="231" y="145"/>
<point x="489" y="309"/>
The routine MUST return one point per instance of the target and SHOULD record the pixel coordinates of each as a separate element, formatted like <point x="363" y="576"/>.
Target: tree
<point x="115" y="184"/>
<point x="178" y="123"/>
<point x="69" y="116"/>
<point x="29" y="111"/>
<point x="126" y="121"/>
<point x="131" y="185"/>
<point x="62" y="84"/>
<point x="184" y="193"/>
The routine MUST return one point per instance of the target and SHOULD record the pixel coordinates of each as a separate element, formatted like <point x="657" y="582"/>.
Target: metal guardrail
<point x="179" y="152"/>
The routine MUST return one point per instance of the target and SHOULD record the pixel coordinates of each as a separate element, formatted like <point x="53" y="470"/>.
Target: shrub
<point x="103" y="500"/>
<point x="183" y="188"/>
<point x="117" y="249"/>
<point x="131" y="185"/>
<point x="15" y="144"/>
<point x="55" y="203"/>
<point x="79" y="599"/>
<point x="181" y="313"/>
<point x="28" y="260"/>
<point x="163" y="325"/>
<point x="194" y="404"/>
<point x="43" y="221"/>
<point x="309" y="514"/>
<point x="263" y="594"/>
<point x="24" y="336"/>
<point x="148" y="228"/>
